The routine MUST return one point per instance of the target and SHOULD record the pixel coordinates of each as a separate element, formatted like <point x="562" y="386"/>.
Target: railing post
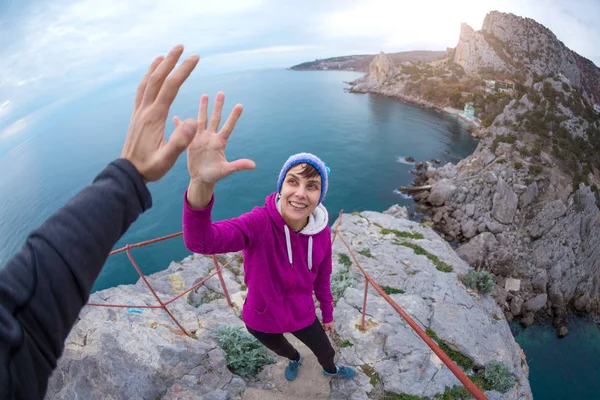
<point x="364" y="308"/>
<point x="223" y="285"/>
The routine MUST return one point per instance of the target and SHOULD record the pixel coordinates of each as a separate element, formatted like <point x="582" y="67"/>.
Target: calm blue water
<point x="567" y="368"/>
<point x="361" y="138"/>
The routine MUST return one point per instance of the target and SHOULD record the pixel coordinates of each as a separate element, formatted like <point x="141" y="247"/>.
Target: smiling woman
<point x="286" y="243"/>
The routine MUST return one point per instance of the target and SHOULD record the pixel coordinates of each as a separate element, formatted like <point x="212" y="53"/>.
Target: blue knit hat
<point x="307" y="158"/>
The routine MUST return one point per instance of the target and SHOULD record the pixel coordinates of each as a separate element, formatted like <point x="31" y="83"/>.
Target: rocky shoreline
<point x="357" y="86"/>
<point x="522" y="206"/>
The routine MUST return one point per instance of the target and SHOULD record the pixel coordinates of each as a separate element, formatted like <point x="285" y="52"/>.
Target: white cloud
<point x="4" y="108"/>
<point x="66" y="46"/>
<point x="28" y="120"/>
<point x="400" y="25"/>
<point x="16" y="127"/>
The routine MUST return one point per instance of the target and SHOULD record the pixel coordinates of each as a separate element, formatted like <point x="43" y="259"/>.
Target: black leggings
<point x="313" y="336"/>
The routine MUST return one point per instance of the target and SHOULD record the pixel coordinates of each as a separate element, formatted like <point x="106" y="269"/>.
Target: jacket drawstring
<point x="309" y="255"/>
<point x="288" y="242"/>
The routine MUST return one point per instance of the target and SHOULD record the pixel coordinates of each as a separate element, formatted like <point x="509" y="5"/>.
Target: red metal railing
<point x="460" y="375"/>
<point x="464" y="379"/>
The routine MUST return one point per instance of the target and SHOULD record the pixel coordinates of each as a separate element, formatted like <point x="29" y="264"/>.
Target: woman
<point x="286" y="243"/>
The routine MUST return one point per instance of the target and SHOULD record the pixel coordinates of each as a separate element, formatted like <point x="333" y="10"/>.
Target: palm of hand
<point x="206" y="157"/>
<point x="206" y="154"/>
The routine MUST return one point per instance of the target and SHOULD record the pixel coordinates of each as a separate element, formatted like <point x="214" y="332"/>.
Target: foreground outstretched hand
<point x="206" y="154"/>
<point x="145" y="146"/>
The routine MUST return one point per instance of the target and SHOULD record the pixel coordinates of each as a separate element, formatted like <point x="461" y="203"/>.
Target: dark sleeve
<point x="45" y="285"/>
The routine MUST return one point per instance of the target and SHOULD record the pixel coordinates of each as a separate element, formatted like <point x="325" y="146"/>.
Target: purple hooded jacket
<point x="282" y="267"/>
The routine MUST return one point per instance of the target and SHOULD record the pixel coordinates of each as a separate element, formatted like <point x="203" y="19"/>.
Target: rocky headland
<point x="524" y="205"/>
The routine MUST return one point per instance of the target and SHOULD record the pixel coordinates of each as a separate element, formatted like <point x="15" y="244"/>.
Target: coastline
<point x="474" y="130"/>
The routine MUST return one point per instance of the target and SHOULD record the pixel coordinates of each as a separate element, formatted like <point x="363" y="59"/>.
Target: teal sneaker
<point x="291" y="371"/>
<point x="342" y="372"/>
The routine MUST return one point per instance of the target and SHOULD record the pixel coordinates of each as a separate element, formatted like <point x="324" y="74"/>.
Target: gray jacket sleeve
<point x="45" y="285"/>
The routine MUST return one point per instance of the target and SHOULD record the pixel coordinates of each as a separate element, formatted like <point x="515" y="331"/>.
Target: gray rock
<point x="504" y="203"/>
<point x="516" y="306"/>
<point x="441" y="191"/>
<point x="500" y="295"/>
<point x="469" y="228"/>
<point x="530" y="194"/>
<point x="546" y="219"/>
<point x="528" y="319"/>
<point x="476" y="250"/>
<point x="431" y="173"/>
<point x="481" y="227"/>
<point x="562" y="331"/>
<point x="458" y="214"/>
<point x="540" y="281"/>
<point x="537" y="303"/>
<point x="519" y="189"/>
<point x="397" y="211"/>
<point x="470" y="210"/>
<point x="490" y="177"/>
<point x="470" y="197"/>
<point x="421" y="195"/>
<point x="494" y="226"/>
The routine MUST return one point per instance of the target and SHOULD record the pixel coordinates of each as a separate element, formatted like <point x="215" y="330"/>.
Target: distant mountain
<point x="361" y="62"/>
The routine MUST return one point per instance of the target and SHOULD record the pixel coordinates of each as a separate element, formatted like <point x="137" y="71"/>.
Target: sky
<point x="52" y="51"/>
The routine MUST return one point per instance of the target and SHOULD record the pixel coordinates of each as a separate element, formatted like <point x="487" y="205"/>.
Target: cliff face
<point x="135" y="353"/>
<point x="473" y="53"/>
<point x="516" y="204"/>
<point x="523" y="48"/>
<point x="381" y="68"/>
<point x="523" y="207"/>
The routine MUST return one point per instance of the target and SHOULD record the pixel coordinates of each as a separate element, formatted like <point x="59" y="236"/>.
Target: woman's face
<point x="299" y="196"/>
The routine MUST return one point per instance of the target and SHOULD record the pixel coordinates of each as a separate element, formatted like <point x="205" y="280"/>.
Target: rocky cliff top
<point x="523" y="48"/>
<point x="136" y="353"/>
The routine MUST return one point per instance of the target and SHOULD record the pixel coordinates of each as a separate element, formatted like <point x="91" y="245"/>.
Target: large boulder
<point x="441" y="192"/>
<point x="475" y="251"/>
<point x="504" y="203"/>
<point x="528" y="196"/>
<point x="536" y="304"/>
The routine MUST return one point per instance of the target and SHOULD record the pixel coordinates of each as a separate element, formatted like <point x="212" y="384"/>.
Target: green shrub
<point x="366" y="253"/>
<point x="372" y="374"/>
<point x="402" y="234"/>
<point x="340" y="281"/>
<point x="454" y="393"/>
<point x="439" y="265"/>
<point x="454" y="355"/>
<point x="483" y="281"/>
<point x="391" y="290"/>
<point x="535" y="170"/>
<point x="499" y="377"/>
<point x="345" y="260"/>
<point x="518" y="165"/>
<point x="245" y="354"/>
<point x="402" y="396"/>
